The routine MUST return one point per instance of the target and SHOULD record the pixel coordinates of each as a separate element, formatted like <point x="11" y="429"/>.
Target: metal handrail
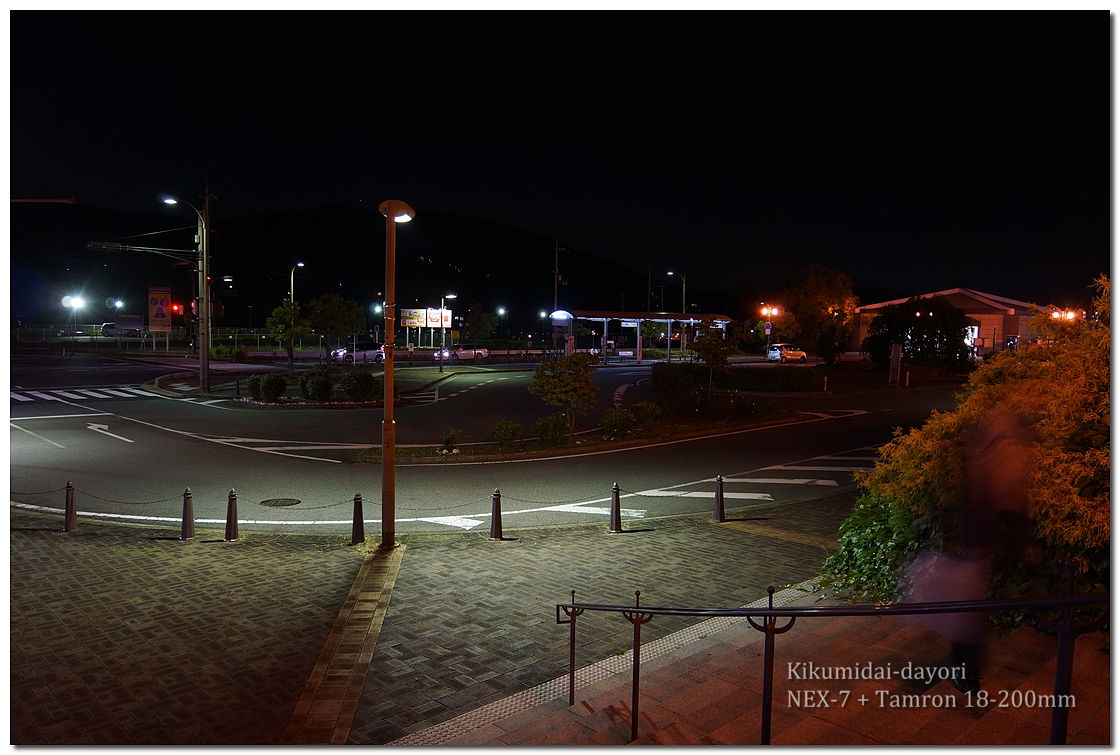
<point x="639" y="615"/>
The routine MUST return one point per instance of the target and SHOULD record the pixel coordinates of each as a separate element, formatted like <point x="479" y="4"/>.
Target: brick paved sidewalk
<point x="125" y="635"/>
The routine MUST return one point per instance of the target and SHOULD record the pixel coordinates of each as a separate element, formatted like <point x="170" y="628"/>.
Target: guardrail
<point x="638" y="615"/>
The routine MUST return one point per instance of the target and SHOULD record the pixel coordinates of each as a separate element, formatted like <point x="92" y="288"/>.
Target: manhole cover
<point x="280" y="502"/>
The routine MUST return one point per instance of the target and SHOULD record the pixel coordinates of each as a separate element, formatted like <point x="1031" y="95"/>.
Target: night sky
<point x="915" y="151"/>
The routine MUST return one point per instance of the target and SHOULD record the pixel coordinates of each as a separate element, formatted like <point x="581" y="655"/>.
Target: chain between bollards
<point x="70" y="523"/>
<point x="719" y="514"/>
<point x="358" y="531"/>
<point x="231" y="516"/>
<point x="188" y="516"/>
<point x="616" y="510"/>
<point x="496" y="516"/>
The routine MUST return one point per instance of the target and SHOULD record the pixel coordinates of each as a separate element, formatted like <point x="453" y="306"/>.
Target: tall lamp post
<point x="203" y="286"/>
<point x="443" y="330"/>
<point x="395" y="211"/>
<point x="684" y="309"/>
<point x="768" y="311"/>
<point x="73" y="303"/>
<point x="292" y="282"/>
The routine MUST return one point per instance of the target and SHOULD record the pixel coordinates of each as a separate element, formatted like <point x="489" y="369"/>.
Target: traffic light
<point x="177" y="309"/>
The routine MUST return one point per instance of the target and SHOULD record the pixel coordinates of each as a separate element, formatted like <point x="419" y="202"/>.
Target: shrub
<point x="551" y="430"/>
<point x="451" y="440"/>
<point x="506" y="432"/>
<point x="311" y="380"/>
<point x="648" y="412"/>
<point x="255" y="387"/>
<point x="273" y="386"/>
<point x="617" y="422"/>
<point x="736" y="405"/>
<point x="320" y="388"/>
<point x="241" y="354"/>
<point x="360" y="386"/>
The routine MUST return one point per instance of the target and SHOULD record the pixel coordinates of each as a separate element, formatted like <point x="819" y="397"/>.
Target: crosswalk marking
<point x="18" y="397"/>
<point x="797" y="468"/>
<point x="113" y="392"/>
<point x="781" y="481"/>
<point x="94" y="394"/>
<point x="81" y="394"/>
<point x="44" y="396"/>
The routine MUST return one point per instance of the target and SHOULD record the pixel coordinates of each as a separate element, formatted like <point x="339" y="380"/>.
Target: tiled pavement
<point x="123" y="634"/>
<point x="126" y="635"/>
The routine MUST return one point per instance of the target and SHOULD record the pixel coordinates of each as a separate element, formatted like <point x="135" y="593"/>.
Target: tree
<point x="909" y="498"/>
<point x="565" y="382"/>
<point x="331" y="314"/>
<point x="286" y="325"/>
<point x="931" y="331"/>
<point x="821" y="299"/>
<point x="714" y="349"/>
<point x="480" y="324"/>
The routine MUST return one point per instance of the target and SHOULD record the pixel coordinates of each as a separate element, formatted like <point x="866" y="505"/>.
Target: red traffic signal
<point x="177" y="309"/>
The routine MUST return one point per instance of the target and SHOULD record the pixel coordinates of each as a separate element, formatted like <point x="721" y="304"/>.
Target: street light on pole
<point x="73" y="303"/>
<point x="684" y="307"/>
<point x="203" y="286"/>
<point x="292" y="282"/>
<point x="768" y="311"/>
<point x="443" y="330"/>
<point x="395" y="211"/>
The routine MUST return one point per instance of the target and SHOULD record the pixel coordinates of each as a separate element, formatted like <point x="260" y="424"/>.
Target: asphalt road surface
<point x="131" y="455"/>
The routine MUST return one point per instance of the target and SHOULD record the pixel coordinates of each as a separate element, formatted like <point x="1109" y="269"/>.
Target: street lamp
<point x="203" y="287"/>
<point x="73" y="303"/>
<point x="395" y="211"/>
<point x="292" y="282"/>
<point x="768" y="311"/>
<point x="443" y="330"/>
<point x="684" y="309"/>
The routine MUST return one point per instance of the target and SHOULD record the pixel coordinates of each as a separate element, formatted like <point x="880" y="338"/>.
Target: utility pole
<point x="555" y="274"/>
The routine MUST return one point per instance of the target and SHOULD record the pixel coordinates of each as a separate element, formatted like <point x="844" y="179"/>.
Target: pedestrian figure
<point x="992" y="515"/>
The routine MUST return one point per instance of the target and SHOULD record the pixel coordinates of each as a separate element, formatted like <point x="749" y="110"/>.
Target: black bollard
<point x="616" y="510"/>
<point x="231" y="516"/>
<point x="71" y="521"/>
<point x="718" y="513"/>
<point x="496" y="516"/>
<point x="188" y="516"/>
<point x="358" y="531"/>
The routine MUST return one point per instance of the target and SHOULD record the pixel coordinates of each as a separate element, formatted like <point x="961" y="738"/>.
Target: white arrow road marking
<point x="581" y="508"/>
<point x="104" y="430"/>
<point x="744" y="496"/>
<point x="452" y="521"/>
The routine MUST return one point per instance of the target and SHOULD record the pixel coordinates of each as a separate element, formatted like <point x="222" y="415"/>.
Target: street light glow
<point x="170" y="200"/>
<point x="118" y="304"/>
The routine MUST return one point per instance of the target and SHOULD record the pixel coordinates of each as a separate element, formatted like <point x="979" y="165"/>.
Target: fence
<point x="638" y="615"/>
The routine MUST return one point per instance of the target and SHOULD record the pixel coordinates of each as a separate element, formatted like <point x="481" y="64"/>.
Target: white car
<point x="363" y="354"/>
<point x="462" y="353"/>
<point x="785" y="352"/>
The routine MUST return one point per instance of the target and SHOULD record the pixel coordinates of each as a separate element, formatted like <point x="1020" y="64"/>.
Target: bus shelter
<point x="563" y="328"/>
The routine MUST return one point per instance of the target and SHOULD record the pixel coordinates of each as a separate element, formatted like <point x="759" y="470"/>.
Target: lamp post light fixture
<point x="203" y="286"/>
<point x="684" y="308"/>
<point x="292" y="282"/>
<point x="443" y="330"/>
<point x="395" y="211"/>
<point x="73" y="303"/>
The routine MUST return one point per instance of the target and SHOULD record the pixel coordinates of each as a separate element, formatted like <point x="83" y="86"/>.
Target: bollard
<point x="188" y="516"/>
<point x="496" y="516"/>
<point x="719" y="513"/>
<point x="826" y="383"/>
<point x="358" y="531"/>
<point x="616" y="510"/>
<point x="70" y="523"/>
<point x="908" y="378"/>
<point x="231" y="516"/>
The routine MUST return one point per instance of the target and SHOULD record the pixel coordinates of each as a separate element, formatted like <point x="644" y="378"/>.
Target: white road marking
<point x="36" y="435"/>
<point x="44" y="396"/>
<point x="796" y="468"/>
<point x="461" y="522"/>
<point x="139" y="392"/>
<point x="67" y="394"/>
<point x="779" y="481"/>
<point x="115" y="392"/>
<point x="93" y="394"/>
<point x="18" y="397"/>
<point x="104" y="430"/>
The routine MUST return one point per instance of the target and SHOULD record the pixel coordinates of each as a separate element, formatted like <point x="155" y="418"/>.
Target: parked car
<point x="785" y="352"/>
<point x="463" y="352"/>
<point x="364" y="352"/>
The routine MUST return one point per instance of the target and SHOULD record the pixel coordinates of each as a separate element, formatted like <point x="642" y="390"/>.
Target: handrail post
<point x="70" y="522"/>
<point x="358" y="530"/>
<point x="1063" y="673"/>
<point x="572" y="652"/>
<point x="616" y="510"/>
<point x="719" y="512"/>
<point x="637" y="619"/>
<point x="231" y="516"/>
<point x="187" y="530"/>
<point x="496" y="515"/>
